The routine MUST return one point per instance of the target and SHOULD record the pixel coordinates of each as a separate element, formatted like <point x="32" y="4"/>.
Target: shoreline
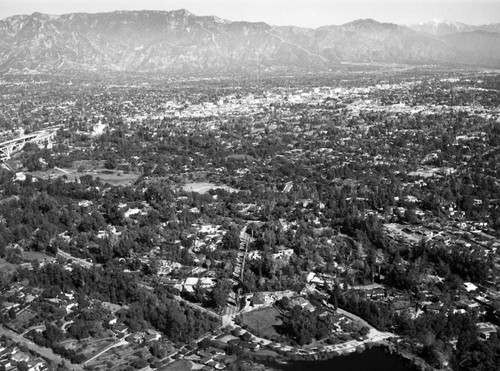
<point x="413" y="362"/>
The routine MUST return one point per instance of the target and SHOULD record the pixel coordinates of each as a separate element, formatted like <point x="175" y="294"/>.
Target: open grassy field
<point x="262" y="322"/>
<point x="35" y="255"/>
<point x="89" y="347"/>
<point x="203" y="187"/>
<point x="6" y="267"/>
<point x="113" y="307"/>
<point x="179" y="365"/>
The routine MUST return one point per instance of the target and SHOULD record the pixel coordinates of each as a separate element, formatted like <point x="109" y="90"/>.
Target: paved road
<point x="242" y="252"/>
<point x="80" y="262"/>
<point x="232" y="306"/>
<point x="16" y="144"/>
<point x="198" y="307"/>
<point x="44" y="352"/>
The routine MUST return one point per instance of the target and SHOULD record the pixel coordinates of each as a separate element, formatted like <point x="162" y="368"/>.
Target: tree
<point x="52" y="333"/>
<point x="364" y="330"/>
<point x="479" y="355"/>
<point x="334" y="297"/>
<point x="157" y="350"/>
<point x="231" y="240"/>
<point x="12" y="313"/>
<point x="303" y="325"/>
<point x="249" y="280"/>
<point x="110" y="163"/>
<point x="139" y="363"/>
<point x="221" y="292"/>
<point x="410" y="216"/>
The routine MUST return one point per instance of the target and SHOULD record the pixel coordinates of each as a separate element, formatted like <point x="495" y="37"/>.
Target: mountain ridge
<point x="437" y="27"/>
<point x="180" y="41"/>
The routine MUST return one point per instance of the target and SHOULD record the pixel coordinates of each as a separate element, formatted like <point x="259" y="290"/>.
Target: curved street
<point x="44" y="352"/>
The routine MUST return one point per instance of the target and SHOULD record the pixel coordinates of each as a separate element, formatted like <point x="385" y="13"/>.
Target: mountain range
<point x="181" y="42"/>
<point x="440" y="28"/>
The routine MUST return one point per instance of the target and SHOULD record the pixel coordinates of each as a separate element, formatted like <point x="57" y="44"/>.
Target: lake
<point x="374" y="359"/>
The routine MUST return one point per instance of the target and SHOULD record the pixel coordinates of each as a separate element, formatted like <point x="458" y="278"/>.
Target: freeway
<point x="13" y="145"/>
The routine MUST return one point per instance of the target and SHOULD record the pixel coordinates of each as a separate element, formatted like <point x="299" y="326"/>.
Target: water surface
<point x="375" y="359"/>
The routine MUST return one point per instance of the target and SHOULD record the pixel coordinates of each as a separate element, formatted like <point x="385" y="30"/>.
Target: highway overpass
<point x="8" y="147"/>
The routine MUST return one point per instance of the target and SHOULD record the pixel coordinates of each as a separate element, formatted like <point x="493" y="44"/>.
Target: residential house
<point x="434" y="307"/>
<point x="485" y="329"/>
<point x="152" y="335"/>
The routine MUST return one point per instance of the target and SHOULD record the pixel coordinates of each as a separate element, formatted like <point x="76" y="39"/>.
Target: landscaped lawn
<point x="261" y="322"/>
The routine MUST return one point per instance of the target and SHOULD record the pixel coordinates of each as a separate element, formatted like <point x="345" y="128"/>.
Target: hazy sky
<point x="306" y="13"/>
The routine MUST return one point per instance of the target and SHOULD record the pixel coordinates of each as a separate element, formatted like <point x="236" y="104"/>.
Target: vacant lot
<point x="262" y="322"/>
